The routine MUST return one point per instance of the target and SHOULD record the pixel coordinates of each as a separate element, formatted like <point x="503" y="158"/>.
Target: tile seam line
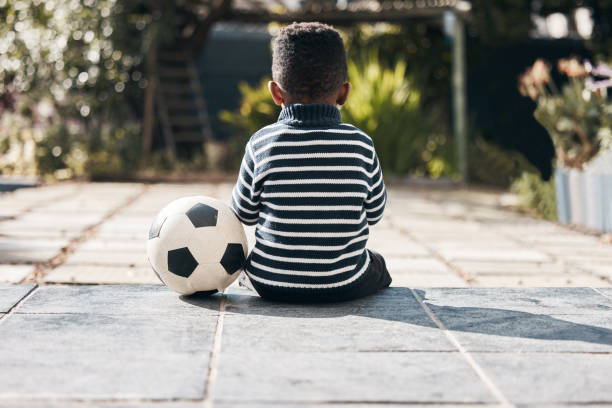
<point x="211" y="376"/>
<point x="43" y="269"/>
<point x="12" y="310"/>
<point x="601" y="293"/>
<point x="489" y="384"/>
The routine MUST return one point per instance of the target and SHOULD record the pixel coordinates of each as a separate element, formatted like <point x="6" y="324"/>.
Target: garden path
<point x="96" y="233"/>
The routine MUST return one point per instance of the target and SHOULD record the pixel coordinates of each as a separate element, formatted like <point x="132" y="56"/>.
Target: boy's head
<point x="309" y="65"/>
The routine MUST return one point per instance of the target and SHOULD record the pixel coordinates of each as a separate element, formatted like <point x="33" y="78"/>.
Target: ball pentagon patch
<point x="181" y="262"/>
<point x="233" y="258"/>
<point x="202" y="215"/>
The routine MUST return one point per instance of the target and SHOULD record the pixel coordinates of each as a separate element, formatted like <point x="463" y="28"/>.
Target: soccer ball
<point x="196" y="244"/>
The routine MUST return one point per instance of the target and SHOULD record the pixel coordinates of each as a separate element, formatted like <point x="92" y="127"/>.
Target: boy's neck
<point x="310" y="115"/>
<point x="322" y="101"/>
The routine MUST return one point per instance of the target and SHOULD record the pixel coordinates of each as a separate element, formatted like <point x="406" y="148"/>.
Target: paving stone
<point x="93" y="257"/>
<point x="561" y="239"/>
<point x="21" y="234"/>
<point x="12" y="294"/>
<point x="28" y="403"/>
<point x="604" y="271"/>
<point x="606" y="291"/>
<point x="118" y="300"/>
<point x="14" y="250"/>
<point x="478" y="254"/>
<point x="530" y="300"/>
<point x="357" y="326"/>
<point x="114" y="245"/>
<point x="241" y="300"/>
<point x="397" y="264"/>
<point x="298" y="376"/>
<point x="106" y="274"/>
<point x="233" y="404"/>
<point x="390" y="242"/>
<point x="566" y="280"/>
<point x="15" y="273"/>
<point x="428" y="280"/>
<point x="377" y="331"/>
<point x="511" y="269"/>
<point x="496" y="329"/>
<point x="550" y="378"/>
<point x="80" y="356"/>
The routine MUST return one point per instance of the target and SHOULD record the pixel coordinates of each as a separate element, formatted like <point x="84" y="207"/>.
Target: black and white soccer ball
<point x="197" y="244"/>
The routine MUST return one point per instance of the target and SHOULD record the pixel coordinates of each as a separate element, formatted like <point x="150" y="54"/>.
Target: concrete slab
<point x="105" y="356"/>
<point x="501" y="330"/>
<point x="118" y="300"/>
<point x="409" y="265"/>
<point x="606" y="291"/>
<point x="135" y="402"/>
<point x="530" y="300"/>
<point x="15" y="273"/>
<point x="429" y="280"/>
<point x="298" y="376"/>
<point x="15" y="250"/>
<point x="105" y="274"/>
<point x="494" y="255"/>
<point x="233" y="404"/>
<point x="363" y="325"/>
<point x="512" y="269"/>
<point x="108" y="258"/>
<point x="114" y="245"/>
<point x="12" y="294"/>
<point x="565" y="280"/>
<point x="544" y="378"/>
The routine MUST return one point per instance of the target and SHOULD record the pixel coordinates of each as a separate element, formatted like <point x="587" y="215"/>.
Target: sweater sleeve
<point x="377" y="197"/>
<point x="245" y="199"/>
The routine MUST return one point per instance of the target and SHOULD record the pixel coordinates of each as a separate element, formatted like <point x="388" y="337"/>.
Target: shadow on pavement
<point x="400" y="305"/>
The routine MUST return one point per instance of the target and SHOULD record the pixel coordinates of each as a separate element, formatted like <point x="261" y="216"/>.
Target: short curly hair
<point x="309" y="60"/>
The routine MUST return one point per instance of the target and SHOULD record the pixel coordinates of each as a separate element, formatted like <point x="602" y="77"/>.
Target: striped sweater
<point x="312" y="184"/>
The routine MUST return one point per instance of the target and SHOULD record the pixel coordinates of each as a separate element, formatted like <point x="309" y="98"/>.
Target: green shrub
<point x="384" y="103"/>
<point x="493" y="166"/>
<point x="257" y="109"/>
<point x="536" y="195"/>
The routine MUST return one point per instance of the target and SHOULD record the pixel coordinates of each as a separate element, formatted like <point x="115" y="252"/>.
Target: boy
<point x="311" y="183"/>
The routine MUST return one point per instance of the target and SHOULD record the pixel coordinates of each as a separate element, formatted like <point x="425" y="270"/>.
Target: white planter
<point x="606" y="180"/>
<point x="584" y="198"/>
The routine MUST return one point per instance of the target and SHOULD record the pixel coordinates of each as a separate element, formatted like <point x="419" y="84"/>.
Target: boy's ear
<point x="343" y="94"/>
<point x="276" y="92"/>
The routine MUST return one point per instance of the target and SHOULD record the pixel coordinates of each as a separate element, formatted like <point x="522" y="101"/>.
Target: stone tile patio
<point x="142" y="345"/>
<point x="488" y="308"/>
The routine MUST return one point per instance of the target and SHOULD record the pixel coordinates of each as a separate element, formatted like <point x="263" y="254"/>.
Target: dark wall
<point x="233" y="53"/>
<point x="497" y="110"/>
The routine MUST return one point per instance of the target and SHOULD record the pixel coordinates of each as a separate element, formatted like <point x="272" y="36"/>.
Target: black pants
<point x="375" y="278"/>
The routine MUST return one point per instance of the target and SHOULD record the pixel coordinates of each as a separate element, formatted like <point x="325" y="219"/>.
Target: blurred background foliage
<point x="73" y="74"/>
<point x="385" y="102"/>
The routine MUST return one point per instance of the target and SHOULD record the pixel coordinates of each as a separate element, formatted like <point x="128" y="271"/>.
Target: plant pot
<point x="606" y="180"/>
<point x="584" y="198"/>
<point x="562" y="195"/>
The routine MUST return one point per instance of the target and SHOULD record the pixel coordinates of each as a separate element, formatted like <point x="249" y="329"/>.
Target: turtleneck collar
<point x="310" y="115"/>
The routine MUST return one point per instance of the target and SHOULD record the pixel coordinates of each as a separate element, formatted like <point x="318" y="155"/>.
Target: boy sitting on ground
<point x="311" y="183"/>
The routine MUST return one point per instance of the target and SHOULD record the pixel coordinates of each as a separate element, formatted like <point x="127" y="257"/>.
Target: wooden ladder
<point x="180" y="102"/>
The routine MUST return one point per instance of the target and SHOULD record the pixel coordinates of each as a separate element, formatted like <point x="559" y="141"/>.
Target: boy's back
<point x="312" y="185"/>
